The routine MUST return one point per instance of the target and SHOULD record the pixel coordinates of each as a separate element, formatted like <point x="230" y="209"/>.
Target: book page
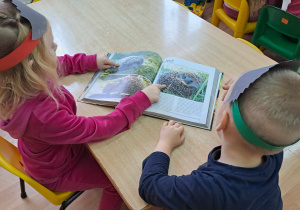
<point x="136" y="71"/>
<point x="144" y="63"/>
<point x="188" y="92"/>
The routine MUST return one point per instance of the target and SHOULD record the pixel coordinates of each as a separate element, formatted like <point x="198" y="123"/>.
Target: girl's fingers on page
<point x="160" y="86"/>
<point x="106" y="67"/>
<point x="109" y="62"/>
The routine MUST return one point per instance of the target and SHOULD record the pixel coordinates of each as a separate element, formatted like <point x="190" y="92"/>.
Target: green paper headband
<point x="248" y="134"/>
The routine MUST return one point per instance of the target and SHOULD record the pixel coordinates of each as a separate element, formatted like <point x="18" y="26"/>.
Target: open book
<point x="190" y="95"/>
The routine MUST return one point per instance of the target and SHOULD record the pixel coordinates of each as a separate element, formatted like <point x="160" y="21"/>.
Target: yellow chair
<point x="10" y="159"/>
<point x="250" y="45"/>
<point x="240" y="26"/>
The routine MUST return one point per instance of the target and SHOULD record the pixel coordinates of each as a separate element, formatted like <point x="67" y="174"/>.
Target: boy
<point x="242" y="173"/>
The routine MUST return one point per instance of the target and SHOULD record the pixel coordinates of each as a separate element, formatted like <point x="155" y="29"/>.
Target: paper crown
<point x="38" y="28"/>
<point x="239" y="87"/>
<point x="250" y="76"/>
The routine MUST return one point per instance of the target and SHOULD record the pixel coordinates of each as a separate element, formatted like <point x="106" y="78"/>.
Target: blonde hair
<point x="270" y="107"/>
<point x="23" y="81"/>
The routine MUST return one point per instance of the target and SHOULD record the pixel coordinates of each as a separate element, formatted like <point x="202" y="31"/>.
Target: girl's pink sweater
<point x="51" y="140"/>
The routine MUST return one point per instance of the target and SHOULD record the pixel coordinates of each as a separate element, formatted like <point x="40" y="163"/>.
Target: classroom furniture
<point x="240" y="26"/>
<point x="195" y="6"/>
<point x="279" y="32"/>
<point x="250" y="44"/>
<point x="129" y="26"/>
<point x="10" y="159"/>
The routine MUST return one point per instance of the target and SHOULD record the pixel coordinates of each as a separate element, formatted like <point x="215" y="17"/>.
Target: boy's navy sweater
<point x="213" y="185"/>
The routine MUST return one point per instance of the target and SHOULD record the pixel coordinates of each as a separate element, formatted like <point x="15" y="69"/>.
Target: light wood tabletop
<point x="93" y="26"/>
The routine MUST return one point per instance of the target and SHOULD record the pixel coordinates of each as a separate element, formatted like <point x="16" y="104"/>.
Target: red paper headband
<point x="19" y="54"/>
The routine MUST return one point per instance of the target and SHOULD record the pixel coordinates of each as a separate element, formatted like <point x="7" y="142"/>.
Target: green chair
<point x="279" y="32"/>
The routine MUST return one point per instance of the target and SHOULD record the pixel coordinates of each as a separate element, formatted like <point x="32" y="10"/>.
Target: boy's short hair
<point x="270" y="107"/>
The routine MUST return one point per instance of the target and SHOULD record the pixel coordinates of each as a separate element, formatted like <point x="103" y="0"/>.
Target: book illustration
<point x="127" y="63"/>
<point x="130" y="62"/>
<point x="183" y="82"/>
<point x="143" y="63"/>
<point x="109" y="86"/>
<point x="127" y="85"/>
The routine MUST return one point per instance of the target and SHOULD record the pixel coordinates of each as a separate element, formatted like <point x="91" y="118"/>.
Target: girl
<point x="41" y="114"/>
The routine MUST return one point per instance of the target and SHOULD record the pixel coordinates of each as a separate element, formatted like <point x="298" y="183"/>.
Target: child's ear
<point x="224" y="121"/>
<point x="30" y="63"/>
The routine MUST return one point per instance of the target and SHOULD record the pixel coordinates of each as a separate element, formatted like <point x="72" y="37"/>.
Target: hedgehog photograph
<point x="183" y="84"/>
<point x="127" y="85"/>
<point x="130" y="62"/>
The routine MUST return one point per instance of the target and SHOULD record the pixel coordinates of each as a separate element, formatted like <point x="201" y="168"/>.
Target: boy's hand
<point x="227" y="85"/>
<point x="171" y="136"/>
<point x="153" y="92"/>
<point x="103" y="62"/>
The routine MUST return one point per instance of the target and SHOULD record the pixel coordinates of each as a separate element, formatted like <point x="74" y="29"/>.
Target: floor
<point x="10" y="194"/>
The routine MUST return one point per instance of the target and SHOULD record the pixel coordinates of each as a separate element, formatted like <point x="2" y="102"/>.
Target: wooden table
<point x="162" y="26"/>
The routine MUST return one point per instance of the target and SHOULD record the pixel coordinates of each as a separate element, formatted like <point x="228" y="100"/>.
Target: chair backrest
<point x="278" y="31"/>
<point x="279" y="20"/>
<point x="240" y="24"/>
<point x="10" y="159"/>
<point x="235" y="4"/>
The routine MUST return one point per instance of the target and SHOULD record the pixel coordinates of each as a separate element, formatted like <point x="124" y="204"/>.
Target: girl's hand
<point x="153" y="92"/>
<point x="171" y="136"/>
<point x="103" y="62"/>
